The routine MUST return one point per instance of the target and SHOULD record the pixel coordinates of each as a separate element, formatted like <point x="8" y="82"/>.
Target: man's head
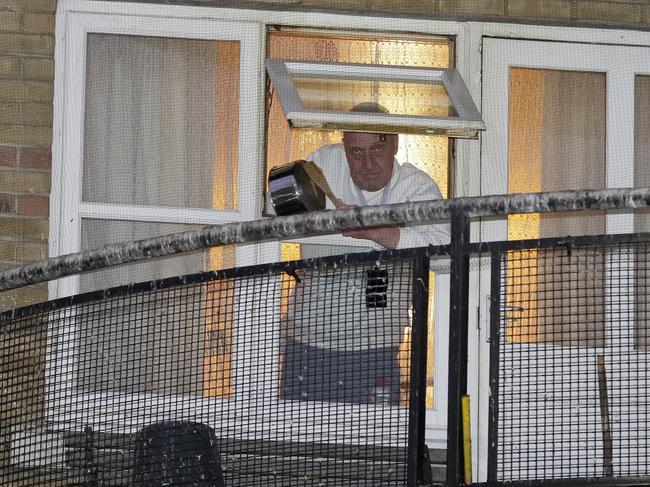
<point x="370" y="155"/>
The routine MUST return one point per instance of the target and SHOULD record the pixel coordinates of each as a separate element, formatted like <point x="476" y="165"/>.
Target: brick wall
<point x="26" y="87"/>
<point x="634" y="14"/>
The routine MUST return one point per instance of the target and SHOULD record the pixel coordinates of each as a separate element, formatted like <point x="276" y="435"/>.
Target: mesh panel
<point x="181" y="381"/>
<point x="572" y="378"/>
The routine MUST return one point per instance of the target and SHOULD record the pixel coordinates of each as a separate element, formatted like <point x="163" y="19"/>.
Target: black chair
<point x="177" y="453"/>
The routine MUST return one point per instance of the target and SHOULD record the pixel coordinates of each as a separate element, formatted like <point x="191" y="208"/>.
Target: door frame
<point x="498" y="55"/>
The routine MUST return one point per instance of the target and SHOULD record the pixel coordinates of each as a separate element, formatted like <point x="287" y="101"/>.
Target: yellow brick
<point x="17" y="298"/>
<point x="38" y="68"/>
<point x="8" y="250"/>
<point x="9" y="21"/>
<point x="9" y="113"/>
<point x="40" y="136"/>
<point x="534" y="9"/>
<point x="36" y="114"/>
<point x="28" y="228"/>
<point x="38" y="23"/>
<point x="31" y="251"/>
<point x="23" y="181"/>
<point x="358" y="6"/>
<point x="9" y="300"/>
<point x="10" y="67"/>
<point x="26" y="44"/>
<point x="270" y="2"/>
<point x="477" y="8"/>
<point x="45" y="6"/>
<point x="35" y="91"/>
<point x="609" y="13"/>
<point x="418" y="7"/>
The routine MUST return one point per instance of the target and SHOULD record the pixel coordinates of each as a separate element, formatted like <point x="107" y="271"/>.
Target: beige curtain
<point x="557" y="142"/>
<point x="161" y="129"/>
<point x="642" y="217"/>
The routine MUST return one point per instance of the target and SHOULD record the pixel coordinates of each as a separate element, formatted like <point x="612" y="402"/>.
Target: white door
<point x="562" y="116"/>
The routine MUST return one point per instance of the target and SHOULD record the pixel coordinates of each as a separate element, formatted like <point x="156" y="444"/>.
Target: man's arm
<point x="387" y="237"/>
<point x="418" y="186"/>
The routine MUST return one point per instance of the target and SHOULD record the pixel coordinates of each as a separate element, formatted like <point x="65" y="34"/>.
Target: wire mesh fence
<point x="284" y="374"/>
<point x="570" y="361"/>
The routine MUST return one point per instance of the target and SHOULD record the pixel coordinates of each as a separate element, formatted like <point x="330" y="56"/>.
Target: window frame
<point x="68" y="209"/>
<point x="66" y="204"/>
<point x="466" y="125"/>
<point x="469" y="38"/>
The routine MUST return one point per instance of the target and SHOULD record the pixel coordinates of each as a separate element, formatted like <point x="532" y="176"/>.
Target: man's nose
<point x="366" y="160"/>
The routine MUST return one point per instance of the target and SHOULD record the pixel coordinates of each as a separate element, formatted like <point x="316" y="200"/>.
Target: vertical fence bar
<point x="417" y="394"/>
<point x="458" y="316"/>
<point x="495" y="341"/>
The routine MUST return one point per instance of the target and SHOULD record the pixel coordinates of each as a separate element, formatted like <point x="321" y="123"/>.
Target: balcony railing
<point x="224" y="359"/>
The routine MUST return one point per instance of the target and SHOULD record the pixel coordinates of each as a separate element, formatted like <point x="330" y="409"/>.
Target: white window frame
<point x="68" y="208"/>
<point x="466" y="125"/>
<point x="66" y="204"/>
<point x="619" y="65"/>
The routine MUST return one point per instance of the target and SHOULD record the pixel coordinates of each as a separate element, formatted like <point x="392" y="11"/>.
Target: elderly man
<point x="342" y="337"/>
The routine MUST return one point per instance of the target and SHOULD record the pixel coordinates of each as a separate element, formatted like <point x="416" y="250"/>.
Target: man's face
<point x="370" y="158"/>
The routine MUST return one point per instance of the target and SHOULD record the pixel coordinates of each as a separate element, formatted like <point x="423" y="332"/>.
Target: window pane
<point x="96" y="233"/>
<point x="556" y="142"/>
<point x="161" y="122"/>
<point x="429" y="153"/>
<point x="642" y="146"/>
<point x="339" y="94"/>
<point x="201" y="334"/>
<point x="642" y="216"/>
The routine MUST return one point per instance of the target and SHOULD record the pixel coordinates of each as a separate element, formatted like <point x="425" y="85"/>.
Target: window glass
<point x="161" y="122"/>
<point x="642" y="216"/>
<point x="556" y="142"/>
<point x="204" y="345"/>
<point x="341" y="94"/>
<point x="429" y="153"/>
<point x="96" y="233"/>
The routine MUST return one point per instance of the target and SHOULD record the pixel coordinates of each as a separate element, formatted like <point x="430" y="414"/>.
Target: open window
<point x="319" y="95"/>
<point x="403" y="73"/>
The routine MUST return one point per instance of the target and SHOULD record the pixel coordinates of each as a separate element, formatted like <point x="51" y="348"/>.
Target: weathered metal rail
<point x="320" y="223"/>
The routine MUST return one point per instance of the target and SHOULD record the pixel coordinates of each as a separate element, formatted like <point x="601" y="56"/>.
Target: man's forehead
<point x="363" y="139"/>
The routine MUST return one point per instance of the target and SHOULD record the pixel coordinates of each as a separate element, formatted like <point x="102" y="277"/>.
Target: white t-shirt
<point x="407" y="184"/>
<point x="328" y="307"/>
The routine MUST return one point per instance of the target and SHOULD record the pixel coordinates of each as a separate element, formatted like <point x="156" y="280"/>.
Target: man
<point x="345" y="325"/>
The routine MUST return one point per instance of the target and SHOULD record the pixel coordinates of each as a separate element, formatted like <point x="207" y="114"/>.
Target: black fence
<point x="313" y="373"/>
<point x="287" y="374"/>
<point x="570" y="361"/>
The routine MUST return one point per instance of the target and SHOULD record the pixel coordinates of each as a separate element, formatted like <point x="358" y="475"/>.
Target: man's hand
<point x="387" y="237"/>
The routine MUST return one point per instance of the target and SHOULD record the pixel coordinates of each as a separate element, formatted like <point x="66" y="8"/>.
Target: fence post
<point x="458" y="334"/>
<point x="418" y="377"/>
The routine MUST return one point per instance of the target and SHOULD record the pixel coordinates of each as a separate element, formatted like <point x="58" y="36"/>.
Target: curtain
<point x="161" y="129"/>
<point x="642" y="216"/>
<point x="557" y="142"/>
